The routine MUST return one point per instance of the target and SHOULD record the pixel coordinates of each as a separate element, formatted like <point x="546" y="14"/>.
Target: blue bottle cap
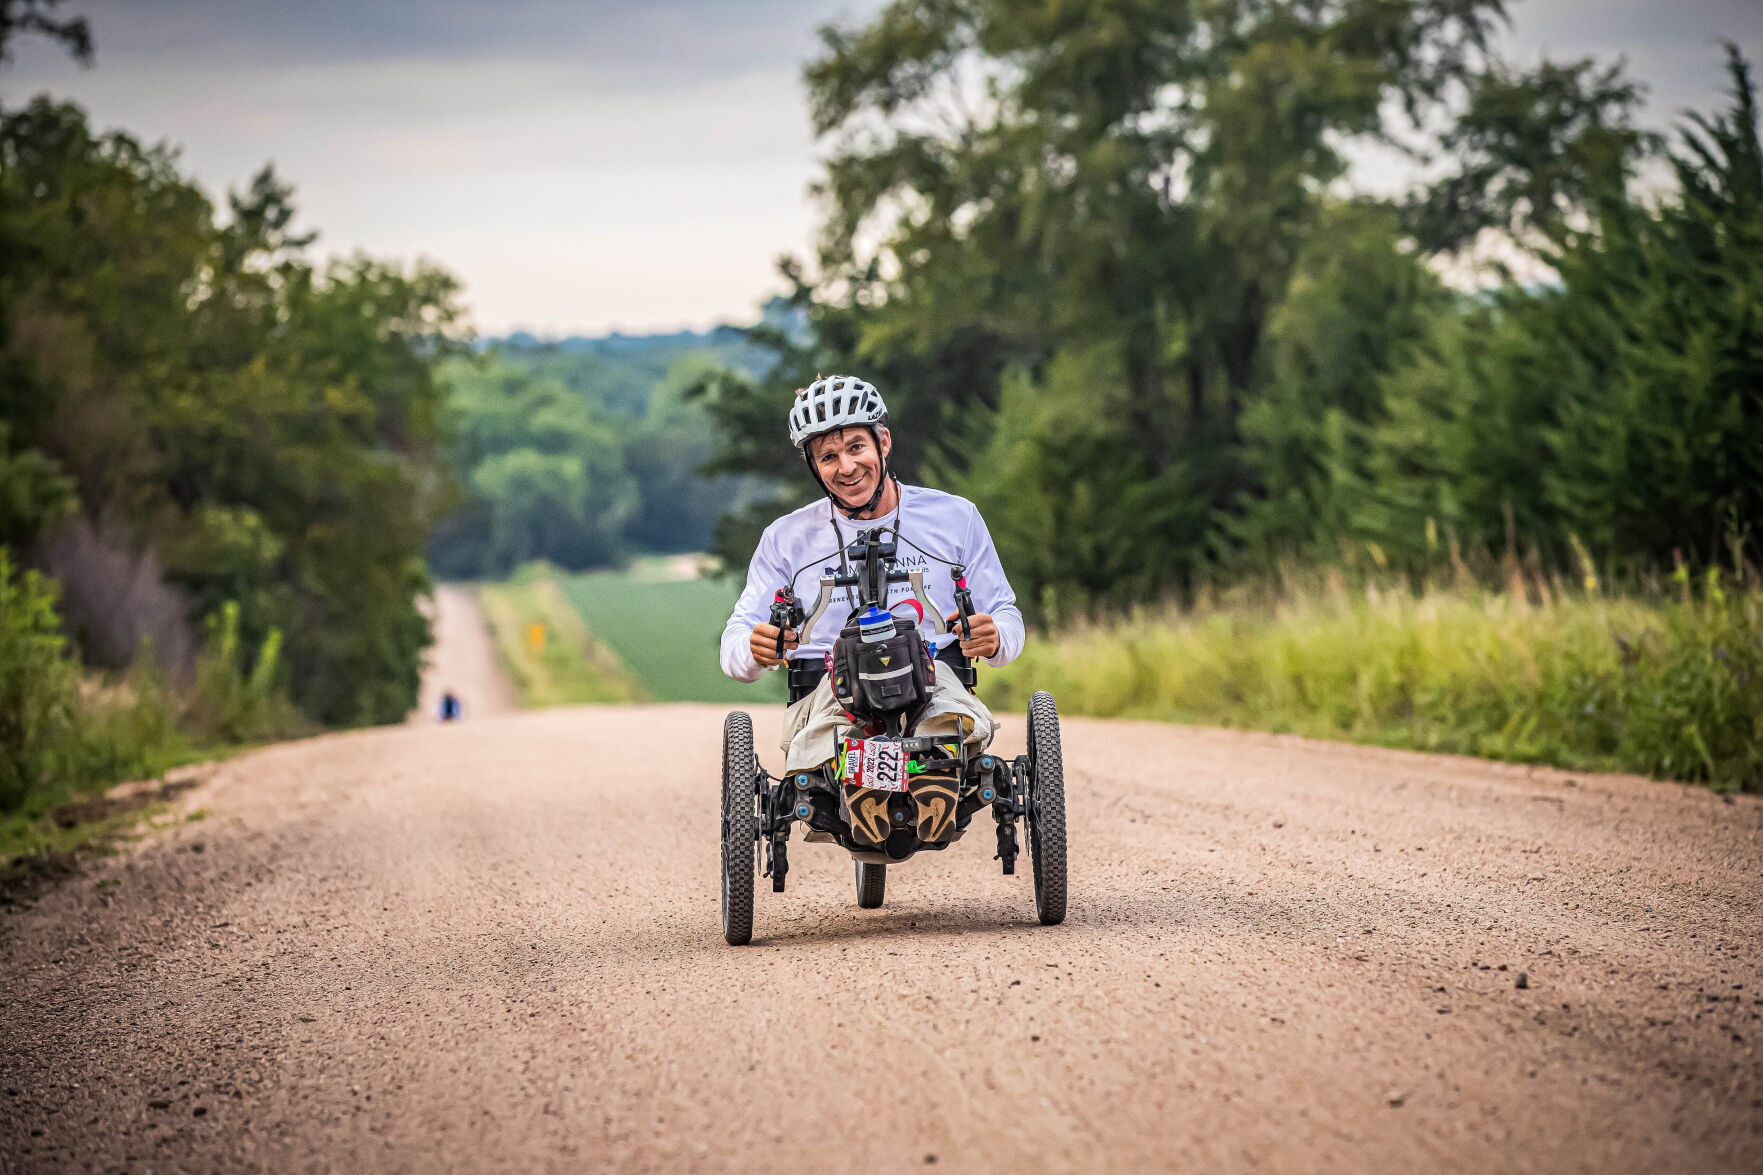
<point x="875" y="625"/>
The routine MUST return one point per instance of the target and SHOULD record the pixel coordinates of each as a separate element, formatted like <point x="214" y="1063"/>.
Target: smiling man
<point x="841" y="426"/>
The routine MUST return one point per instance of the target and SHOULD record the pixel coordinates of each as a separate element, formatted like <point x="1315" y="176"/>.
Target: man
<point x="841" y="426"/>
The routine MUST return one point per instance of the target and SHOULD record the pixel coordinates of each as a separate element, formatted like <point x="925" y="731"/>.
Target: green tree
<point x="545" y="470"/>
<point x="1619" y="407"/>
<point x="39" y="688"/>
<point x="1152" y="193"/>
<point x="269" y="428"/>
<point x="33" y="492"/>
<point x="1356" y="306"/>
<point x="1666" y="452"/>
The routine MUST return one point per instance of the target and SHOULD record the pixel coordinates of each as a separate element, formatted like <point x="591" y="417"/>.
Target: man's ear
<point x="886" y="441"/>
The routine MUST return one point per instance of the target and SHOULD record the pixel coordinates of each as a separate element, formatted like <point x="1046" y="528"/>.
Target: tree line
<point x="227" y="466"/>
<point x="1110" y="267"/>
<point x="1106" y="261"/>
<point x="251" y="439"/>
<point x="581" y="452"/>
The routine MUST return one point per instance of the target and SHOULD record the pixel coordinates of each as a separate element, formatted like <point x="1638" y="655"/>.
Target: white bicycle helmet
<point x="837" y="401"/>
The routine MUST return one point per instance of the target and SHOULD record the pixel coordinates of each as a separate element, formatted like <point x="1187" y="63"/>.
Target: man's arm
<point x="765" y="574"/>
<point x="991" y="592"/>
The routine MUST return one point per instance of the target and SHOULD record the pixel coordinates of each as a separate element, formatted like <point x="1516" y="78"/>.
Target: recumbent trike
<point x="888" y="793"/>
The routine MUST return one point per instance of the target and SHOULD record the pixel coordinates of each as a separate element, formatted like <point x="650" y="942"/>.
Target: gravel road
<point x="494" y="946"/>
<point x="463" y="660"/>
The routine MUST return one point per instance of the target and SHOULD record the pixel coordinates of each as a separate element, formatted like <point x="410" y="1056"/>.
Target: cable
<point x="895" y="531"/>
<point x="811" y="563"/>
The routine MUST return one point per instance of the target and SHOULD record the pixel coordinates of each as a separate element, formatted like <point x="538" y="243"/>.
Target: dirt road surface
<point x="494" y="946"/>
<point x="462" y="660"/>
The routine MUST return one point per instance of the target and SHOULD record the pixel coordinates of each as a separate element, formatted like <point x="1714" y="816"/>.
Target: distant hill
<point x="618" y="343"/>
<point x="727" y="341"/>
<point x="585" y="450"/>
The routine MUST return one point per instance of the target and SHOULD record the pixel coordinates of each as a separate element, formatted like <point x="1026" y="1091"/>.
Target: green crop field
<point x="665" y="629"/>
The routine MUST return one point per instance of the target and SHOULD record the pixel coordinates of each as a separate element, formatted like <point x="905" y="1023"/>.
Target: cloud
<point x="580" y="165"/>
<point x="583" y="164"/>
<point x="665" y="41"/>
<point x="1670" y="45"/>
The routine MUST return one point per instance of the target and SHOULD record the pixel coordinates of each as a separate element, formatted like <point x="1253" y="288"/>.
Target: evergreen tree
<point x="1618" y="407"/>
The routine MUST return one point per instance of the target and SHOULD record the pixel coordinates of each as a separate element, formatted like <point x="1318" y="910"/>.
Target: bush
<point x="54" y="741"/>
<point x="39" y="685"/>
<point x="1667" y="687"/>
<point x="231" y="704"/>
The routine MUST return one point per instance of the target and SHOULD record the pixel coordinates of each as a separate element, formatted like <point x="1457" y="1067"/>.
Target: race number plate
<point x="876" y="763"/>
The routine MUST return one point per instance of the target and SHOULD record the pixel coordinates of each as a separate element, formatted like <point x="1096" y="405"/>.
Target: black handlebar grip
<point x="787" y="613"/>
<point x="963" y="601"/>
<point x="783" y="607"/>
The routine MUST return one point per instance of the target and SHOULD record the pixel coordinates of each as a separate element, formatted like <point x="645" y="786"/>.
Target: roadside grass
<point x="665" y="622"/>
<point x="76" y="825"/>
<point x="1670" y="686"/>
<point x="572" y="666"/>
<point x="44" y="842"/>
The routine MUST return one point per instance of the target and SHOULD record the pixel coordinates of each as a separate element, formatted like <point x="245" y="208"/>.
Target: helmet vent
<point x="834" y="402"/>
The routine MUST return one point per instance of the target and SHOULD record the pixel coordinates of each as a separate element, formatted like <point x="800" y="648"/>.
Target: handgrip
<point x="963" y="601"/>
<point x="786" y="613"/>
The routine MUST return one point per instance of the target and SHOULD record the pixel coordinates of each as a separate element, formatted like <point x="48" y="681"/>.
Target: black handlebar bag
<point x="875" y="678"/>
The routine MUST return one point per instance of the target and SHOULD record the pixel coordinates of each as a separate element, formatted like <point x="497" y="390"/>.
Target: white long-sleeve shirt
<point x="805" y="543"/>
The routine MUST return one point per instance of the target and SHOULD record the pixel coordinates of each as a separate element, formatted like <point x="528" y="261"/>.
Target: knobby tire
<point x="1046" y="824"/>
<point x="740" y="828"/>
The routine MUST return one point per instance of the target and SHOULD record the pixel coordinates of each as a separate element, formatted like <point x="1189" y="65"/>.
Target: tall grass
<point x="570" y="666"/>
<point x="65" y="730"/>
<point x="59" y="733"/>
<point x="233" y="704"/>
<point x="1669" y="686"/>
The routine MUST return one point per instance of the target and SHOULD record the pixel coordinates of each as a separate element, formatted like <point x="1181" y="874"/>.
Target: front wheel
<point x="1046" y="816"/>
<point x="740" y="828"/>
<point x="872" y="884"/>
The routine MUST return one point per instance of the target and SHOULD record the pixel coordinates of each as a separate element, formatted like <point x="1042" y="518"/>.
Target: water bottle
<point x="875" y="625"/>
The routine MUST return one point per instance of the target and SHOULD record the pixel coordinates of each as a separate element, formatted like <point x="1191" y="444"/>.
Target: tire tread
<point x="872" y="885"/>
<point x="1047" y="843"/>
<point x="739" y="823"/>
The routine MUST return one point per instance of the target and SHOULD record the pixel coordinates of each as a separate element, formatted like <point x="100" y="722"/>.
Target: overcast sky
<point x="586" y="165"/>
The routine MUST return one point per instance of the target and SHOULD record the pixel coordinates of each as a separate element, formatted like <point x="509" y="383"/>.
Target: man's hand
<point x="984" y="642"/>
<point x="763" y="642"/>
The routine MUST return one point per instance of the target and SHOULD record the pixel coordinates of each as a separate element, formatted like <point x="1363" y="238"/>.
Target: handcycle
<point x="889" y="792"/>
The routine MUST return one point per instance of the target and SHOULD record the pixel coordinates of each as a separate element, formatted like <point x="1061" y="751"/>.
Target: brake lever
<point x="786" y="613"/>
<point x="963" y="600"/>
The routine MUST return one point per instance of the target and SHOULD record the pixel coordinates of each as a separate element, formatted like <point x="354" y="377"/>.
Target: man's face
<point x="849" y="463"/>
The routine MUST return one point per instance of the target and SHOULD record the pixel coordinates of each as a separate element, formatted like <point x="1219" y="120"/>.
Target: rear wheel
<point x="872" y="884"/>
<point x="740" y="828"/>
<point x="1046" y="820"/>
